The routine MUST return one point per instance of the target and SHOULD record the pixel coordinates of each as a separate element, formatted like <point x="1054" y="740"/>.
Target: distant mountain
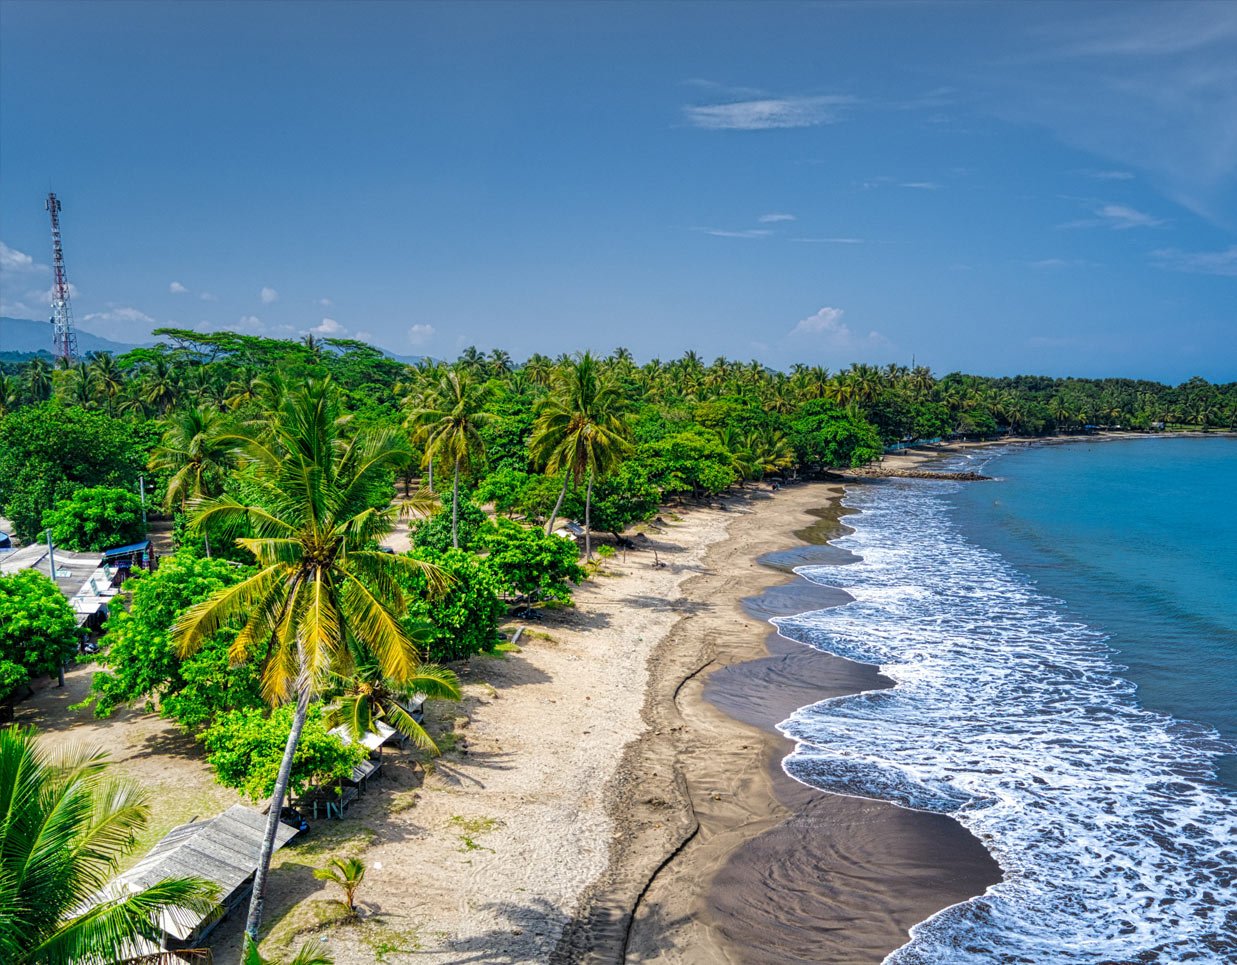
<point x="27" y="335"/>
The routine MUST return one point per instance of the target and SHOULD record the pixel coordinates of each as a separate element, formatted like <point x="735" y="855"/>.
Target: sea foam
<point x="1116" y="842"/>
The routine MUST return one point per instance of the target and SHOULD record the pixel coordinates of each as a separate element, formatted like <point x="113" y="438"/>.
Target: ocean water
<point x="1064" y="648"/>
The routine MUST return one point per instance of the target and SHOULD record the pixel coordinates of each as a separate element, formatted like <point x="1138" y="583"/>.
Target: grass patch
<point x="384" y="940"/>
<point x="401" y="801"/>
<point x="507" y="647"/>
<point x="470" y="829"/>
<point x="306" y="918"/>
<point x="330" y="839"/>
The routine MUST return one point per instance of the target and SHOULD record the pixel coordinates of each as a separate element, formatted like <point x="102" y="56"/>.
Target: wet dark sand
<point x="841" y="879"/>
<point x="720" y="857"/>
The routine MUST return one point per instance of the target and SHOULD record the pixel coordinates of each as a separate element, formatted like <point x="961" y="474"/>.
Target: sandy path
<point x="485" y="858"/>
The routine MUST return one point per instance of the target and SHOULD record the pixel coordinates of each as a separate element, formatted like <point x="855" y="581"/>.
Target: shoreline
<point x="723" y="856"/>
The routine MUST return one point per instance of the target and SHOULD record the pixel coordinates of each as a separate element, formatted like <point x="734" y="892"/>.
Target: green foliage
<point x="620" y="498"/>
<point x="530" y="564"/>
<point x="13" y="676"/>
<point x="435" y="532"/>
<point x="48" y="451"/>
<point x="348" y="873"/>
<point x="463" y="618"/>
<point x="688" y="461"/>
<point x="825" y="435"/>
<point x="142" y="660"/>
<point x="96" y="518"/>
<point x="245" y="748"/>
<point x="67" y="824"/>
<point x="38" y="629"/>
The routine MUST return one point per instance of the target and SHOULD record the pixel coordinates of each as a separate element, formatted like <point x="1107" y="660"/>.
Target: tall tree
<point x="66" y="826"/>
<point x="321" y="503"/>
<point x="581" y="431"/>
<point x="447" y="424"/>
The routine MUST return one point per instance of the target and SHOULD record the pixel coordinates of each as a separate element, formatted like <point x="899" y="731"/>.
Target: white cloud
<point x="119" y="313"/>
<point x="420" y="334"/>
<point x="17" y="261"/>
<point x="363" y="336"/>
<point x="920" y="185"/>
<point x="325" y="302"/>
<point x="1051" y="264"/>
<point x="45" y="296"/>
<point x="1110" y="175"/>
<point x="745" y="233"/>
<point x="775" y="217"/>
<point x="15" y="309"/>
<point x="328" y="326"/>
<point x="827" y="326"/>
<point x="769" y="113"/>
<point x="208" y="297"/>
<point x="268" y="296"/>
<point x="176" y="288"/>
<point x="1119" y="217"/>
<point x="1223" y="263"/>
<point x="251" y="323"/>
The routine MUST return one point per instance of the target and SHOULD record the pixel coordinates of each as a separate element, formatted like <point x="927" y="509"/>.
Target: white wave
<point x="1116" y="841"/>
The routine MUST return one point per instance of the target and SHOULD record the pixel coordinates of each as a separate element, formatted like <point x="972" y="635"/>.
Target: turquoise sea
<point x="1063" y="642"/>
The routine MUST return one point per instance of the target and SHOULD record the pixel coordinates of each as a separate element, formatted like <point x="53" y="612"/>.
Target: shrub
<point x="465" y="616"/>
<point x="96" y="518"/>
<point x="435" y="533"/>
<point x="38" y="628"/>
<point x="143" y="663"/>
<point x="245" y="747"/>
<point x="528" y="563"/>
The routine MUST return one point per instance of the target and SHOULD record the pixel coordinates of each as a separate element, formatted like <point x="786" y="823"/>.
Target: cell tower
<point x="64" y="336"/>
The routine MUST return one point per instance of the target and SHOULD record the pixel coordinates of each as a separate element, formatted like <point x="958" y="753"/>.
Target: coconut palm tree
<point x="365" y="695"/>
<point x="39" y="380"/>
<point x="160" y="385"/>
<point x="319" y="506"/>
<point x="348" y="873"/>
<point x="8" y="393"/>
<point x="447" y="423"/>
<point x="106" y="379"/>
<point x="580" y="431"/>
<point x="197" y="450"/>
<point x="65" y="827"/>
<point x="307" y="955"/>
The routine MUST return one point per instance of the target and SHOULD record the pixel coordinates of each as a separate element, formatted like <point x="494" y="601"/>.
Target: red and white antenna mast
<point x="64" y="336"/>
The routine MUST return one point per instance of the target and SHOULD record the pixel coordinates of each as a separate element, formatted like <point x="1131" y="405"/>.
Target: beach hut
<point x="224" y="849"/>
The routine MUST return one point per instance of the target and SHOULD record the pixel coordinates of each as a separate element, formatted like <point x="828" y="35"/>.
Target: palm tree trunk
<point x="549" y="527"/>
<point x="455" y="507"/>
<point x="431" y="475"/>
<point x="258" y="898"/>
<point x="588" y="508"/>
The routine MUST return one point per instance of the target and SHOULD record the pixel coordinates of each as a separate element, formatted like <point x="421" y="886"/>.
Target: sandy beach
<point x="625" y="758"/>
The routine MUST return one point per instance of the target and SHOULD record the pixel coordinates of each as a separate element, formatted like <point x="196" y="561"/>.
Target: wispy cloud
<point x="1108" y="175"/>
<point x="826" y="326"/>
<point x="770" y="113"/>
<point x="1052" y="264"/>
<point x="325" y="302"/>
<point x="741" y="233"/>
<point x="208" y="297"/>
<point x="420" y="334"/>
<point x="774" y="217"/>
<point x="176" y="288"/>
<point x="12" y="260"/>
<point x="268" y="296"/>
<point x="884" y="181"/>
<point x="1223" y="263"/>
<point x="250" y="323"/>
<point x="119" y="313"/>
<point x="1120" y="217"/>
<point x="920" y="185"/>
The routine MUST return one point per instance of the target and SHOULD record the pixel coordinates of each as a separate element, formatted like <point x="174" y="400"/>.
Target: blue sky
<point x="997" y="188"/>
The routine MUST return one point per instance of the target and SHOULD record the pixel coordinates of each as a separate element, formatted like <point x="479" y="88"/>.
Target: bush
<point x="245" y="747"/>
<point x="465" y="616"/>
<point x="38" y="628"/>
<point x="689" y="461"/>
<point x="48" y="451"/>
<point x="621" y="498"/>
<point x="96" y="518"/>
<point x="435" y="532"/>
<point x="143" y="663"/>
<point x="528" y="563"/>
<point x="825" y="435"/>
